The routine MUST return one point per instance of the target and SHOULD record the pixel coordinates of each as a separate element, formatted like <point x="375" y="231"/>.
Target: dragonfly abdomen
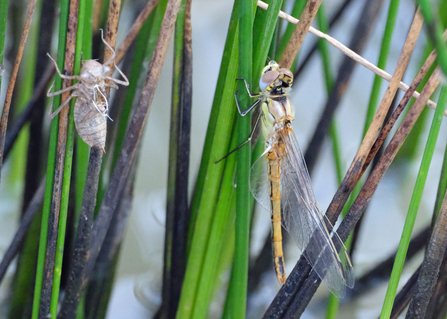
<point x="274" y="173"/>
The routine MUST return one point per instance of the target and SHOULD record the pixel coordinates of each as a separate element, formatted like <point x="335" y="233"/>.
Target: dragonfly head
<point x="281" y="78"/>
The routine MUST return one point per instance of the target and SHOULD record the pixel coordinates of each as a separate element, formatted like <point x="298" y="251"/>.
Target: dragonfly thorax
<point x="275" y="111"/>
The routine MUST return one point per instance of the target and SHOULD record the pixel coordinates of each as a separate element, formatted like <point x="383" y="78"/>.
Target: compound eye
<point x="268" y="78"/>
<point x="266" y="69"/>
<point x="286" y="72"/>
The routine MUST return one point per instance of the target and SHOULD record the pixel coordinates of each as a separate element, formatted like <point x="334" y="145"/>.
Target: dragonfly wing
<point x="306" y="224"/>
<point x="259" y="185"/>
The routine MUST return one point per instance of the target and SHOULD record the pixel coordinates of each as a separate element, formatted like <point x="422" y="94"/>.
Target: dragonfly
<point x="280" y="182"/>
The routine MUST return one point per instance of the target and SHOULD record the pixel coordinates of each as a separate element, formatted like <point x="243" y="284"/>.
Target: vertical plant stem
<point x="12" y="81"/>
<point x="101" y="284"/>
<point x="263" y="32"/>
<point x="67" y="168"/>
<point x="82" y="149"/>
<point x="239" y="275"/>
<point x="333" y="303"/>
<point x="435" y="30"/>
<point x="59" y="184"/>
<point x="177" y="211"/>
<point x="111" y="32"/>
<point x="131" y="141"/>
<point x="50" y="168"/>
<point x="138" y="59"/>
<point x="205" y="200"/>
<point x="438" y="242"/>
<point x="25" y="115"/>
<point x="83" y="234"/>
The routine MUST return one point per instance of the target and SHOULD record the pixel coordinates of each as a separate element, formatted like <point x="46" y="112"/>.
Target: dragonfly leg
<point x="251" y="107"/>
<point x="244" y="142"/>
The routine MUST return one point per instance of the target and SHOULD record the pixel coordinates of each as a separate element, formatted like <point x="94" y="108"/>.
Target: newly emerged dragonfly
<point x="280" y="182"/>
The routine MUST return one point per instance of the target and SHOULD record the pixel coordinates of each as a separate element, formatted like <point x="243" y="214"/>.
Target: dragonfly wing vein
<point x="304" y="221"/>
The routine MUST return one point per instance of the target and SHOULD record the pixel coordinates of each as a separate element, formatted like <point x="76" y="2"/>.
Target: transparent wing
<point x="259" y="186"/>
<point x="302" y="217"/>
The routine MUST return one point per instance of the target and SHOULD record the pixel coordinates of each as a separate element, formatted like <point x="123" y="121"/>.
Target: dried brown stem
<point x="385" y="161"/>
<point x="352" y="176"/>
<point x="139" y="21"/>
<point x="101" y="282"/>
<point x="437" y="308"/>
<point x="111" y="32"/>
<point x="301" y="29"/>
<point x="430" y="266"/>
<point x="12" y="81"/>
<point x="177" y="210"/>
<point x="83" y="234"/>
<point x="39" y="91"/>
<point x="47" y="285"/>
<point x="393" y="119"/>
<point x="403" y="297"/>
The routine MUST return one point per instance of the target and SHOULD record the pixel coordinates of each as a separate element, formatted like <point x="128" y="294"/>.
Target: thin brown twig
<point x="393" y="119"/>
<point x="111" y="33"/>
<point x="301" y="29"/>
<point x="18" y="124"/>
<point x="12" y="81"/>
<point x="136" y="27"/>
<point x="334" y="19"/>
